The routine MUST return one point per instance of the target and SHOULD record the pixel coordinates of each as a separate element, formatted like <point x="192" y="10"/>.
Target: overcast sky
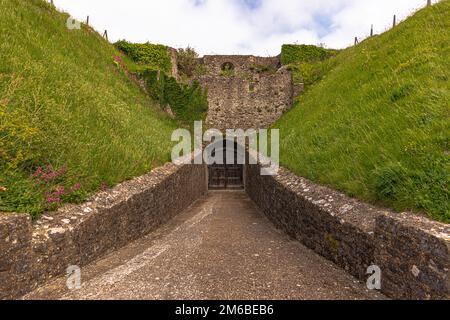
<point x="257" y="27"/>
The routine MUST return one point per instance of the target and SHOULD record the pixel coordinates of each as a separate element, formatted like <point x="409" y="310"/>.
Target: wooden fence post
<point x="394" y="22"/>
<point x="428" y="3"/>
<point x="87" y="21"/>
<point x="371" y="30"/>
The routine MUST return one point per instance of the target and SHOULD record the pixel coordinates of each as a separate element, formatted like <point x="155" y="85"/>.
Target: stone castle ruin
<point x="410" y="252"/>
<point x="246" y="91"/>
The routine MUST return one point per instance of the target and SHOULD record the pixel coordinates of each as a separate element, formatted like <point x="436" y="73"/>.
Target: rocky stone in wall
<point x="78" y="234"/>
<point x="254" y="92"/>
<point x="15" y="258"/>
<point x="414" y="255"/>
<point x="412" y="252"/>
<point x="241" y="65"/>
<point x="324" y="220"/>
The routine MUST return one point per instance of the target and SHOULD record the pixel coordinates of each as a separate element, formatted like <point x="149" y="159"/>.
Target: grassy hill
<point x="71" y="120"/>
<point x="377" y="125"/>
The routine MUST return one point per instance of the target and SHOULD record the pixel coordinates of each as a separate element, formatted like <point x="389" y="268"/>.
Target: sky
<point x="256" y="27"/>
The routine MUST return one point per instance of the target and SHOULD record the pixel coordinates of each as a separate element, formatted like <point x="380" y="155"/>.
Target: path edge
<point x="412" y="251"/>
<point x="32" y="253"/>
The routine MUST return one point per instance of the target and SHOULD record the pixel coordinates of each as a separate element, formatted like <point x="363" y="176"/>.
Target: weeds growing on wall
<point x="308" y="63"/>
<point x="148" y="54"/>
<point x="187" y="101"/>
<point x="293" y="53"/>
<point x="263" y="69"/>
<point x="187" y="60"/>
<point x="186" y="98"/>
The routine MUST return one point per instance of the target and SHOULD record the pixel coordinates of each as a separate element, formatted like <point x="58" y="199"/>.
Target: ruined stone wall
<point x="254" y="94"/>
<point x="174" y="61"/>
<point x="32" y="253"/>
<point x="242" y="64"/>
<point x="412" y="252"/>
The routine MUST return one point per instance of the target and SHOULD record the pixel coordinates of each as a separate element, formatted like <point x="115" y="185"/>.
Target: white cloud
<point x="229" y="27"/>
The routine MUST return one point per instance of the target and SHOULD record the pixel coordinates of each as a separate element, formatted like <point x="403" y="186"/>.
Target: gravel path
<point x="221" y="247"/>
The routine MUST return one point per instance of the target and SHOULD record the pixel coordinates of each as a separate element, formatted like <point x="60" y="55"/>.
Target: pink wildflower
<point x="37" y="173"/>
<point x="104" y="186"/>
<point x="60" y="190"/>
<point x="52" y="198"/>
<point x="48" y="173"/>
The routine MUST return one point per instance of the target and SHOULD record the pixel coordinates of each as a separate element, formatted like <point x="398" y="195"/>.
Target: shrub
<point x="187" y="101"/>
<point x="262" y="69"/>
<point x="200" y="70"/>
<point x="293" y="53"/>
<point x="227" y="70"/>
<point x="187" y="61"/>
<point x="154" y="55"/>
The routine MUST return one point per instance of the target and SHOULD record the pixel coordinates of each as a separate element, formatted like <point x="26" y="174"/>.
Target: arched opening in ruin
<point x="228" y="173"/>
<point x="227" y="67"/>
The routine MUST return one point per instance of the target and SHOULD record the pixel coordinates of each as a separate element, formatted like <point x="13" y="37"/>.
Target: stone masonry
<point x="246" y="91"/>
<point x="412" y="252"/>
<point x="32" y="253"/>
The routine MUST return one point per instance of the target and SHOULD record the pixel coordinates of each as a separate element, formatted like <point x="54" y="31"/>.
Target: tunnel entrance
<point x="223" y="176"/>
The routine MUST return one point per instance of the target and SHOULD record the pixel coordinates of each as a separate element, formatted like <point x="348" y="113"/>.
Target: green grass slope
<point x="377" y="124"/>
<point x="71" y="121"/>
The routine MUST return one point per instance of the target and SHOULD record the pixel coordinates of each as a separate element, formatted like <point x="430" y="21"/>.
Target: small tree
<point x="187" y="61"/>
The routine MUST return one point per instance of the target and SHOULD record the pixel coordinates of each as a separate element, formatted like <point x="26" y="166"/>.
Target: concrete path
<point x="221" y="247"/>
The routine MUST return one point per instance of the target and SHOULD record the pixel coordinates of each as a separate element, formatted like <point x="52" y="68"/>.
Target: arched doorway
<point x="228" y="174"/>
<point x="227" y="66"/>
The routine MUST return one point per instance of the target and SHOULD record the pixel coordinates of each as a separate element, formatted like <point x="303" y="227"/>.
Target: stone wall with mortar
<point x="250" y="97"/>
<point x="242" y="65"/>
<point x="413" y="252"/>
<point x="15" y="254"/>
<point x="174" y="62"/>
<point x="414" y="255"/>
<point x="32" y="253"/>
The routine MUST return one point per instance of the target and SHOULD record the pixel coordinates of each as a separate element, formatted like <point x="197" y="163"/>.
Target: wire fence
<point x="394" y="24"/>
<point x="105" y="33"/>
<point x="356" y="41"/>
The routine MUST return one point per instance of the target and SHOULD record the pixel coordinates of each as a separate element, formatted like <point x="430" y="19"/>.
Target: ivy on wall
<point x="293" y="53"/>
<point x="187" y="101"/>
<point x="153" y="55"/>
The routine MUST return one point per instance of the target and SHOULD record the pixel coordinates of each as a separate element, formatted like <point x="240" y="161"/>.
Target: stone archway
<point x="227" y="67"/>
<point x="228" y="174"/>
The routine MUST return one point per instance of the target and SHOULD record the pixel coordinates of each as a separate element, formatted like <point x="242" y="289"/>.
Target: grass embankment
<point x="375" y="121"/>
<point x="72" y="122"/>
